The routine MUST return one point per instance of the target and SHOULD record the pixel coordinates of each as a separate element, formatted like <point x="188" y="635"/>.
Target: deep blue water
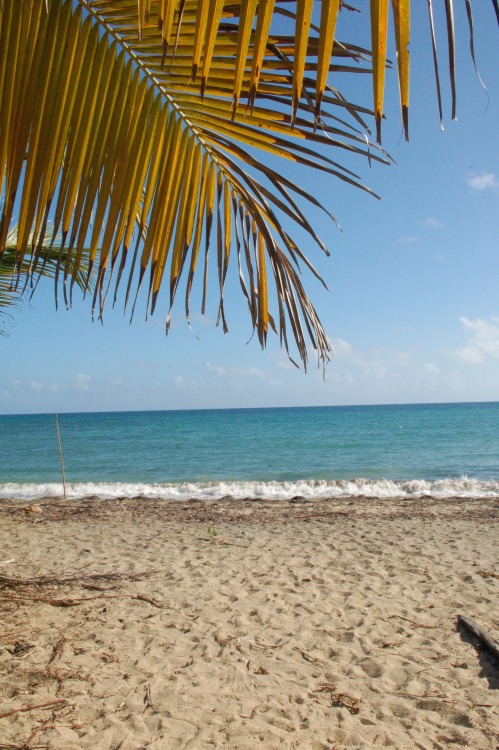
<point x="435" y="449"/>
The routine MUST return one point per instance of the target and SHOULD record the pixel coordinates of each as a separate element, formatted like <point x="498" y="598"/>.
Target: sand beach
<point x="325" y="625"/>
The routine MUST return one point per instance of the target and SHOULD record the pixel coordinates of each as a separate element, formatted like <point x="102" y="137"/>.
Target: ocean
<point x="434" y="450"/>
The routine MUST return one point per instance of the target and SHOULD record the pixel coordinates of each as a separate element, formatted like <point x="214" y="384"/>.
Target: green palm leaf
<point x="16" y="278"/>
<point x="148" y="132"/>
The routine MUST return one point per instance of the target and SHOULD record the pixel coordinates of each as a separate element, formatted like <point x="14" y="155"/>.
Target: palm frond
<point x="17" y="280"/>
<point x="149" y="132"/>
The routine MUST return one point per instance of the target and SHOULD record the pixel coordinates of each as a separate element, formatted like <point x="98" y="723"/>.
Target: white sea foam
<point x="373" y="488"/>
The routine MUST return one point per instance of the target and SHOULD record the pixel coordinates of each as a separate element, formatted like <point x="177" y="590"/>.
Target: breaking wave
<point x="371" y="488"/>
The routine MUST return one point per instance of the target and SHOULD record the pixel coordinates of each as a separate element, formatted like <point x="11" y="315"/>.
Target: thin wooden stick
<point x="57" y="602"/>
<point x="488" y="574"/>
<point x="147" y="697"/>
<point x="306" y="656"/>
<point x="425" y="696"/>
<point x="264" y="646"/>
<point x="143" y="598"/>
<point x="32" y="708"/>
<point x="56" y="653"/>
<point x="28" y="745"/>
<point x="352" y="704"/>
<point x="60" y="453"/>
<point x="415" y="624"/>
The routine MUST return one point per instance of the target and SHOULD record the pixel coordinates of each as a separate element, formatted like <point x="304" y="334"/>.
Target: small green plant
<point x="212" y="531"/>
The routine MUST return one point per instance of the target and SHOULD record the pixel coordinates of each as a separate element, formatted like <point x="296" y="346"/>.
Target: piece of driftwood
<point x="482" y="636"/>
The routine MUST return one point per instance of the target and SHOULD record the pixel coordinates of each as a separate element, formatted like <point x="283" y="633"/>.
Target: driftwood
<point x="482" y="636"/>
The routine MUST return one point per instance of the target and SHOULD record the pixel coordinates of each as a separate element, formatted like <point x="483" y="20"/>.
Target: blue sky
<point x="413" y="306"/>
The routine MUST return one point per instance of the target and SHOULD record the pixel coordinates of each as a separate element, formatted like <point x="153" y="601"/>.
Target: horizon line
<point x="248" y="408"/>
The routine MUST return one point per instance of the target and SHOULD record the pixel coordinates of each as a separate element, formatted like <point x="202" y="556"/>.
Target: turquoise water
<point x="429" y="449"/>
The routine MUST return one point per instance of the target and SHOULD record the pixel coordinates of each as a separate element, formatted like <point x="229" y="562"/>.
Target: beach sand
<point x="328" y="625"/>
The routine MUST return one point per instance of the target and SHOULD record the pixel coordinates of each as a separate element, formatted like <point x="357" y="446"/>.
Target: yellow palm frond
<point x="149" y="133"/>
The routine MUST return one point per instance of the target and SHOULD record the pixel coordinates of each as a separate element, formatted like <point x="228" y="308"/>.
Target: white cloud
<point x="431" y="223"/>
<point x="342" y="379"/>
<point x="181" y="382"/>
<point x="206" y="320"/>
<point x="375" y="363"/>
<point x="402" y="358"/>
<point x="250" y="372"/>
<point x="282" y="361"/>
<point x="146" y="366"/>
<point x="342" y="349"/>
<point x="469" y="354"/>
<point x="214" y="368"/>
<point x="238" y="373"/>
<point x="431" y="369"/>
<point x="483" y="341"/>
<point x="409" y="239"/>
<point x="83" y="381"/>
<point x="483" y="181"/>
<point x="38" y="387"/>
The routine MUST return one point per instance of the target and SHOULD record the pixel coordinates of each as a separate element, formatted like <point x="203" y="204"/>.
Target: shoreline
<point x="291" y="624"/>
